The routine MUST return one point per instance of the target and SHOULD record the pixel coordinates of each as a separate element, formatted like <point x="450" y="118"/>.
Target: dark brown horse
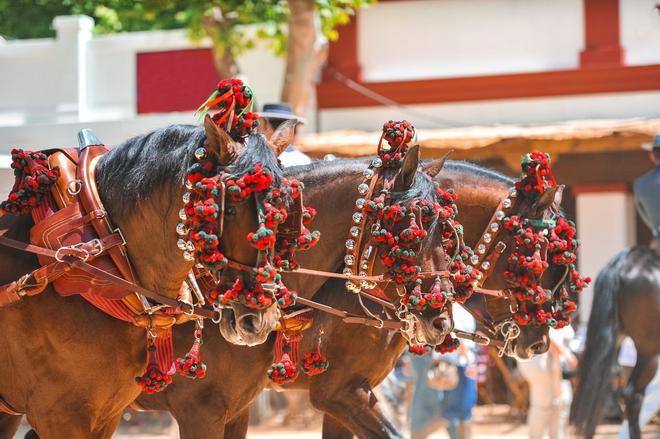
<point x="360" y="356"/>
<point x="68" y="366"/>
<point x="626" y="302"/>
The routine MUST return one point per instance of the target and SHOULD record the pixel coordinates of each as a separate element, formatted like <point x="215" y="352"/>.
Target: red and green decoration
<point x="285" y="367"/>
<point x="33" y="180"/>
<point x="233" y="101"/>
<point x="191" y="365"/>
<point x="527" y="264"/>
<point x="208" y="183"/>
<point x="155" y="378"/>
<point x="449" y="344"/>
<point x="397" y="136"/>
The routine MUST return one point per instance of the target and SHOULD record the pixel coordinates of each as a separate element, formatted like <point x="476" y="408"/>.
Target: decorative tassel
<point x="154" y="379"/>
<point x="284" y="370"/>
<point x="33" y="180"/>
<point x="315" y="362"/>
<point x="191" y="365"/>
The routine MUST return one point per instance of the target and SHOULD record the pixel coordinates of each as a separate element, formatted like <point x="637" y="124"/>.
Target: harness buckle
<point x="121" y="235"/>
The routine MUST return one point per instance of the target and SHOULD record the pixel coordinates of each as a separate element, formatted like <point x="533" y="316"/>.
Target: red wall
<point x="176" y="80"/>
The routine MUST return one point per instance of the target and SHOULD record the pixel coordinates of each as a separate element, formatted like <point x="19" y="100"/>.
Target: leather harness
<point x="82" y="252"/>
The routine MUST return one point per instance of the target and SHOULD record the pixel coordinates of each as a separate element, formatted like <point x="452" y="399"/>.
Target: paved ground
<point x="491" y="422"/>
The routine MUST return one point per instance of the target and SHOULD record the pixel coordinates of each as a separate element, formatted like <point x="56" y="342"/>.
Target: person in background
<point x="452" y="409"/>
<point x="272" y="116"/>
<point x="647" y="194"/>
<point x="549" y="394"/>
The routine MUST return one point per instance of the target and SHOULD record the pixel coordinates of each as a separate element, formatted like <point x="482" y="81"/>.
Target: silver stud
<point x="182" y="214"/>
<point x="485" y="265"/>
<point x="181" y="229"/>
<point x="474" y="259"/>
<point x="355" y="231"/>
<point x="368" y="173"/>
<point x="367" y="285"/>
<point x="499" y="215"/>
<point x="190" y="246"/>
<point x="357" y="217"/>
<point x="481" y="249"/>
<point x="362" y="273"/>
<point x="181" y="243"/>
<point x="186" y="197"/>
<point x="348" y="260"/>
<point x="350" y="286"/>
<point x="364" y="266"/>
<point x="350" y="244"/>
<point x="386" y="147"/>
<point x="189" y="184"/>
<point x="512" y="193"/>
<point x="200" y="153"/>
<point x="347" y="271"/>
<point x="494" y="227"/>
<point x="360" y="202"/>
<point x="506" y="203"/>
<point x="377" y="162"/>
<point x="188" y="256"/>
<point x="363" y="188"/>
<point x="488" y="237"/>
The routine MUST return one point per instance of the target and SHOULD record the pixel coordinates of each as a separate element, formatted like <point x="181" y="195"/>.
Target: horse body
<point x="67" y="365"/>
<point x="626" y="302"/>
<point x="50" y="369"/>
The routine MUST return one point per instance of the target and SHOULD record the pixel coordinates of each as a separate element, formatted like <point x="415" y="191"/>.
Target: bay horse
<point x="65" y="364"/>
<point x="360" y="356"/>
<point x="626" y="301"/>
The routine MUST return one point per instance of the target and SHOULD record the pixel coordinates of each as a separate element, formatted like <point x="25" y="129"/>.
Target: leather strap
<point x="75" y="261"/>
<point x="6" y="408"/>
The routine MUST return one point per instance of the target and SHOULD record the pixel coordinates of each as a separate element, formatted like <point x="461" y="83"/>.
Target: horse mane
<point x="139" y="167"/>
<point x="257" y="150"/>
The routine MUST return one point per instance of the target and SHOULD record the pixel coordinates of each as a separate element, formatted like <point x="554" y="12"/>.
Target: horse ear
<point x="408" y="170"/>
<point x="283" y="136"/>
<point x="548" y="198"/>
<point x="219" y="142"/>
<point x="433" y="168"/>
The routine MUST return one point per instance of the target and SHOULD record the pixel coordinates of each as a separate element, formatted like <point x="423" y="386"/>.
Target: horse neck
<point x="150" y="233"/>
<point x="478" y="199"/>
<point x="332" y="193"/>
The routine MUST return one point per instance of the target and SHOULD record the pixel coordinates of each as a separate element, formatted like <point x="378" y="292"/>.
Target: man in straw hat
<point x="273" y="115"/>
<point x="647" y="193"/>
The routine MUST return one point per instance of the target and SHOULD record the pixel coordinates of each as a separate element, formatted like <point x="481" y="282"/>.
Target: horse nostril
<point x="442" y="324"/>
<point x="248" y="323"/>
<point x="539" y="347"/>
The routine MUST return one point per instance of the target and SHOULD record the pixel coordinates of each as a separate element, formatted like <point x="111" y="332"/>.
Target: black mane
<point x="141" y="166"/>
<point x="256" y="150"/>
<point x="156" y="163"/>
<point x="480" y="171"/>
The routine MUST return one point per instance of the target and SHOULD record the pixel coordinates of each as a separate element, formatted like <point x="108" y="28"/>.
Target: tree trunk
<point x="223" y="60"/>
<point x="307" y="50"/>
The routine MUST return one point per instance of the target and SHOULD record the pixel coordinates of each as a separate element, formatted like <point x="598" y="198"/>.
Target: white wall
<point x="507" y="111"/>
<point x="606" y="225"/>
<point x="444" y="38"/>
<point x="640" y="31"/>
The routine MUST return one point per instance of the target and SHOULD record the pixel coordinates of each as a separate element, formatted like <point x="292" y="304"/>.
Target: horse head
<point x="250" y="301"/>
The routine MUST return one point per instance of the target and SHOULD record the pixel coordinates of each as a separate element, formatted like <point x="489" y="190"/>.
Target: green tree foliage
<point x="218" y="19"/>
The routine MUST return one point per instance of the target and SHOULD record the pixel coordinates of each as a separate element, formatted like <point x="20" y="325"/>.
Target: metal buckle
<point x="74" y="187"/>
<point x="98" y="245"/>
<point x="60" y="258"/>
<point x="121" y="235"/>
